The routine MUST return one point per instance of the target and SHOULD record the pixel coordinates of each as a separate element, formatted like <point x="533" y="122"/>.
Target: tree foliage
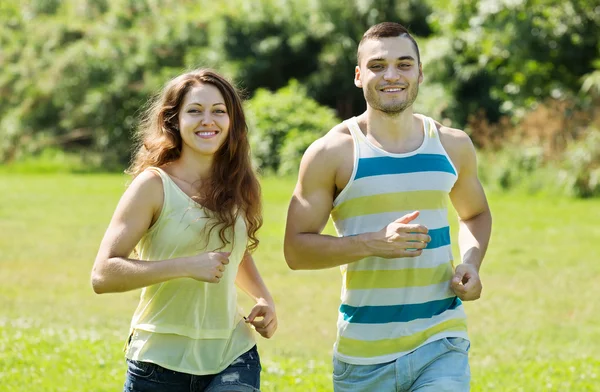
<point x="75" y="73"/>
<point x="283" y="124"/>
<point x="503" y="57"/>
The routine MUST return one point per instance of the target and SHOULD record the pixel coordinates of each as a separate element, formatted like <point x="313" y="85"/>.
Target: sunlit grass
<point x="536" y="327"/>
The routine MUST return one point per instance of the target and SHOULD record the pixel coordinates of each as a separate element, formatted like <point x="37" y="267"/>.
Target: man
<point x="385" y="177"/>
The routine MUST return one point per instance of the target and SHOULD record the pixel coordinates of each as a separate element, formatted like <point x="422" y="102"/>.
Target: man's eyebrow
<point x="401" y="58"/>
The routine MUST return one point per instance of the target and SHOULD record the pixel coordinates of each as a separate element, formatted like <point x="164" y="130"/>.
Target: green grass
<point x="536" y="328"/>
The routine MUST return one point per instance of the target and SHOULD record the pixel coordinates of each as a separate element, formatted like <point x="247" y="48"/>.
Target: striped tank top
<point x="390" y="307"/>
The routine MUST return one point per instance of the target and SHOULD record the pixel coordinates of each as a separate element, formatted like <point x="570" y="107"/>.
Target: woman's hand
<point x="267" y="324"/>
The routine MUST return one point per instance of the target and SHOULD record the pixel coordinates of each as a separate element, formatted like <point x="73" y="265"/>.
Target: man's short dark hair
<point x="386" y="30"/>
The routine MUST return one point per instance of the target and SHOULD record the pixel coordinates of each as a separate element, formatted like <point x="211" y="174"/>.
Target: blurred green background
<point x="521" y="77"/>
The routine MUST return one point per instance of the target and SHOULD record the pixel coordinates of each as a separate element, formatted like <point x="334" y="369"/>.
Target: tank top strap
<point x="434" y="144"/>
<point x="432" y="131"/>
<point x="168" y="183"/>
<point x="352" y="125"/>
<point x="354" y="129"/>
<point x="362" y="147"/>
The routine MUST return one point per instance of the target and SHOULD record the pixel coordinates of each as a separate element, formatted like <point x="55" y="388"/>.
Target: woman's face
<point x="203" y="120"/>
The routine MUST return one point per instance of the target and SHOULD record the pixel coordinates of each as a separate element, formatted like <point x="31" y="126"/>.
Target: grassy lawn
<point x="536" y="328"/>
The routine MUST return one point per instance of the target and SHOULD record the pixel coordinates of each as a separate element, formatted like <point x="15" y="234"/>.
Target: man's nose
<point x="391" y="73"/>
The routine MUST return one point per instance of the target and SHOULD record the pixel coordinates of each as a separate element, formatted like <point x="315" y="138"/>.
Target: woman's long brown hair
<point x="233" y="186"/>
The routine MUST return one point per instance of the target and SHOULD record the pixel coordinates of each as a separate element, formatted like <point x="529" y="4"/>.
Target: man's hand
<point x="466" y="283"/>
<point x="400" y="238"/>
<point x="268" y="324"/>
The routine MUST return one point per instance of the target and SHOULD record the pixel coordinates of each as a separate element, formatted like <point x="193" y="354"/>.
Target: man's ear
<point x="420" y="73"/>
<point x="357" y="81"/>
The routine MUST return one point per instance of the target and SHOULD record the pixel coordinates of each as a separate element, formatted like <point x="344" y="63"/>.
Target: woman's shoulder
<point x="147" y="186"/>
<point x="149" y="179"/>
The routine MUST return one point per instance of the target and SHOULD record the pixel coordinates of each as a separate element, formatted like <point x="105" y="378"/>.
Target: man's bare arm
<point x="475" y="219"/>
<point x="306" y="248"/>
<point x="470" y="202"/>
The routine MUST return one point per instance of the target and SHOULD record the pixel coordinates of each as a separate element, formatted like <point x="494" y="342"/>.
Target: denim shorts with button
<point x="438" y="366"/>
<point x="243" y="375"/>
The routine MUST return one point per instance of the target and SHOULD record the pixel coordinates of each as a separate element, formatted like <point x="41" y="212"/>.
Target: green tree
<point x="283" y="124"/>
<point x="270" y="42"/>
<point x="78" y="73"/>
<point x="503" y="57"/>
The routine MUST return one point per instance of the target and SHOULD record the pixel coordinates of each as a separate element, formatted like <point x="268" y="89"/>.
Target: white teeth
<point x="205" y="133"/>
<point x="393" y="90"/>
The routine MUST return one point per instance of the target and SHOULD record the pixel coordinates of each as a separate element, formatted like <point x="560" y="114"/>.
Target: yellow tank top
<point x="183" y="324"/>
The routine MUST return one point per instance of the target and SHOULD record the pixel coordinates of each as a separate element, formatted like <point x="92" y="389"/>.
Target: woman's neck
<point x="191" y="170"/>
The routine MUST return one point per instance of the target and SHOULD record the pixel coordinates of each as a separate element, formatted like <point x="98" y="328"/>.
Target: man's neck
<point x="397" y="127"/>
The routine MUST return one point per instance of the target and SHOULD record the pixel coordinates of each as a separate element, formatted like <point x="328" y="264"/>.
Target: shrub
<point x="283" y="124"/>
<point x="512" y="167"/>
<point x="580" y="174"/>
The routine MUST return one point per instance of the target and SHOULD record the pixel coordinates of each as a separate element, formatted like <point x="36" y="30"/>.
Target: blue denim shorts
<point x="439" y="366"/>
<point x="243" y="375"/>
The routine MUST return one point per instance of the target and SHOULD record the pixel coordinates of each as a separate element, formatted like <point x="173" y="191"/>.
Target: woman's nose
<point x="207" y="119"/>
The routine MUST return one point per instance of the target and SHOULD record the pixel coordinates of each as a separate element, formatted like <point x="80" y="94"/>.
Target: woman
<point x="190" y="216"/>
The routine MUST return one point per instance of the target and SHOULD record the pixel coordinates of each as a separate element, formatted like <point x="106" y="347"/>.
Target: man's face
<point x="389" y="74"/>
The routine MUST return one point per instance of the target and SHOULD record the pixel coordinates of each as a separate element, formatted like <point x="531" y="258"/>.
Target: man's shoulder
<point x="449" y="132"/>
<point x="327" y="155"/>
<point x="337" y="141"/>
<point x="457" y="144"/>
<point x="453" y="138"/>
